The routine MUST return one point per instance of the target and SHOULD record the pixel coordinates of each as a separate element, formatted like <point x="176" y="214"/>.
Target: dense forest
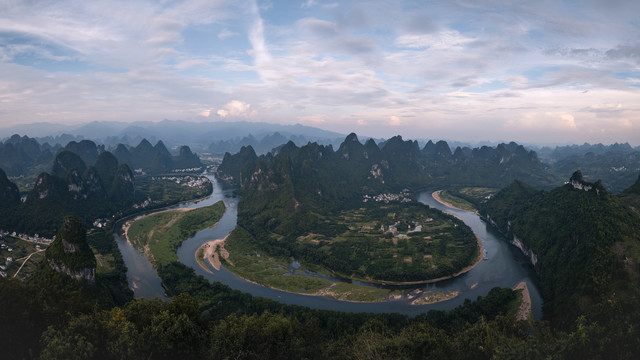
<point x="585" y="244"/>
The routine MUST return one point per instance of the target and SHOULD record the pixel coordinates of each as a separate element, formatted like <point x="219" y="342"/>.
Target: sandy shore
<point x="432" y="297"/>
<point x="525" y="305"/>
<point x="212" y="254"/>
<point x="436" y="195"/>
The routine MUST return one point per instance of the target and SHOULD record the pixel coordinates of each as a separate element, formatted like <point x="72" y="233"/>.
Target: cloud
<point x="519" y="68"/>
<point x="331" y="38"/>
<point x="442" y="40"/>
<point x="308" y="4"/>
<point x="625" y="52"/>
<point x="626" y="123"/>
<point x="568" y="121"/>
<point x="313" y="119"/>
<point x="419" y="24"/>
<point x="236" y="109"/>
<point x="259" y="50"/>
<point x="226" y="33"/>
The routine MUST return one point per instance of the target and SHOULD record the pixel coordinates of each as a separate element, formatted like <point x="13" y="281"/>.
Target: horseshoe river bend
<point x="505" y="266"/>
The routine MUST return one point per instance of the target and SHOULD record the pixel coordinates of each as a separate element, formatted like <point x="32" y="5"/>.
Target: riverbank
<point x="215" y="252"/>
<point x="209" y="251"/>
<point x="525" y="305"/>
<point x="159" y="234"/>
<point x="436" y="196"/>
<point x="127" y="224"/>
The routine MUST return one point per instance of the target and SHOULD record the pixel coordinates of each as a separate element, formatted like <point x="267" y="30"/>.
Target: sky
<point x="471" y="70"/>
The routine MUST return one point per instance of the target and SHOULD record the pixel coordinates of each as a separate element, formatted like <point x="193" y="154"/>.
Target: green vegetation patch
<point x="247" y="261"/>
<point x="467" y="198"/>
<point x="200" y="257"/>
<point x="162" y="233"/>
<point x="457" y="202"/>
<point x="392" y="243"/>
<point x="164" y="191"/>
<point x="110" y="268"/>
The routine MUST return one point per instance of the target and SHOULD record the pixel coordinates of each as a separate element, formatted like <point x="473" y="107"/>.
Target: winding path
<point x="26" y="259"/>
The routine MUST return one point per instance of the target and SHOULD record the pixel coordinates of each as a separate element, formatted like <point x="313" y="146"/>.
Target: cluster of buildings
<point x="35" y="238"/>
<point x="190" y="181"/>
<point x="190" y="170"/>
<point x="142" y="205"/>
<point x="3" y="268"/>
<point x="404" y="197"/>
<point x="4" y="247"/>
<point x="393" y="229"/>
<point x="620" y="168"/>
<point x="9" y="259"/>
<point x="100" y="223"/>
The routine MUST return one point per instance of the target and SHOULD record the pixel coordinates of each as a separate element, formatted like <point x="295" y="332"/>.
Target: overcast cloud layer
<point x="530" y="71"/>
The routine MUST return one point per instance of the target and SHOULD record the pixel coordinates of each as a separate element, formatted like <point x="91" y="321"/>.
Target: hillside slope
<point x="583" y="242"/>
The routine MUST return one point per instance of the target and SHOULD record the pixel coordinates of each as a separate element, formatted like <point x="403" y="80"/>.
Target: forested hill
<point x="24" y="156"/>
<point x="585" y="244"/>
<point x="297" y="191"/>
<point x="156" y="158"/>
<point x="72" y="187"/>
<point x="295" y="184"/>
<point x="631" y="195"/>
<point x="393" y="164"/>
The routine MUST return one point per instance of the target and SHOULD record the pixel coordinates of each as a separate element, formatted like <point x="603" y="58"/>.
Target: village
<point x="12" y="251"/>
<point x="403" y="197"/>
<point x="35" y="238"/>
<point x="190" y="181"/>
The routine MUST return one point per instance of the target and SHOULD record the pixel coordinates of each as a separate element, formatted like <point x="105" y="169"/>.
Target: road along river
<point x="505" y="266"/>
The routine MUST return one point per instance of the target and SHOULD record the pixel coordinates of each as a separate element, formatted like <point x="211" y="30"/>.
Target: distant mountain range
<point x="198" y="136"/>
<point x="23" y="156"/>
<point x="617" y="165"/>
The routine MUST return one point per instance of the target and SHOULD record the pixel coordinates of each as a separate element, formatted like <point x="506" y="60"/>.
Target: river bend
<point x="505" y="267"/>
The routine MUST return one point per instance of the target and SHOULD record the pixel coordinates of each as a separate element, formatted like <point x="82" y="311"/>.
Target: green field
<point x="457" y="202"/>
<point x="467" y="198"/>
<point x="161" y="234"/>
<point x="162" y="191"/>
<point x="253" y="265"/>
<point x="392" y="243"/>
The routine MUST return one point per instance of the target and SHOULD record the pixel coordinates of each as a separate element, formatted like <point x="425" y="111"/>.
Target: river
<point x="505" y="266"/>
